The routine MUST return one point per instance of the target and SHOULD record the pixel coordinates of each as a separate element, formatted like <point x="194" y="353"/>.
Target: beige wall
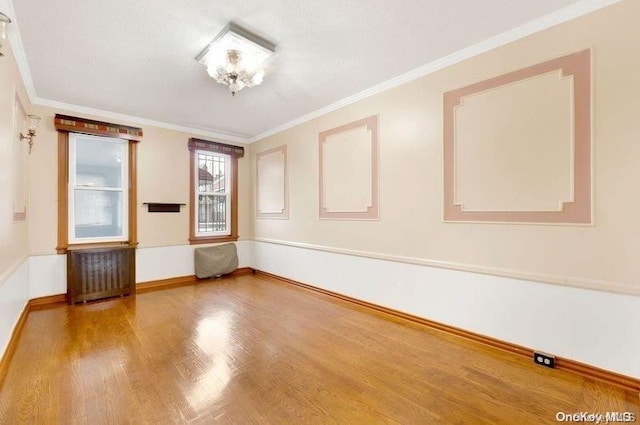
<point x="603" y="256"/>
<point x="163" y="176"/>
<point x="13" y="235"/>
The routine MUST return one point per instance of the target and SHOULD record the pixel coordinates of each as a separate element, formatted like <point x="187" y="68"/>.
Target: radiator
<point x="215" y="260"/>
<point x="95" y="273"/>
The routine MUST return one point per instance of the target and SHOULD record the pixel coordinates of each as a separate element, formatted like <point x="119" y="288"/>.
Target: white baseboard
<point x="165" y="262"/>
<point x="592" y="327"/>
<point x="14" y="295"/>
<point x="48" y="273"/>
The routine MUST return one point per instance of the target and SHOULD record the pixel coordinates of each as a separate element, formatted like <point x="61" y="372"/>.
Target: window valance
<point x="206" y="145"/>
<point x="82" y="125"/>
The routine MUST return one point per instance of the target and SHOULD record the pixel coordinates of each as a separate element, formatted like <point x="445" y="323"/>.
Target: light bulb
<point x="32" y="123"/>
<point x="4" y="20"/>
<point x="257" y="78"/>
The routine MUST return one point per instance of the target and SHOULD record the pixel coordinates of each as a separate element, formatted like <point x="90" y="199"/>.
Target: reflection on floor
<point x="250" y="349"/>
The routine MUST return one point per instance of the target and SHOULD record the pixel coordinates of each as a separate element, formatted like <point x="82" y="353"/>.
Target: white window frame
<point x="124" y="189"/>
<point x="227" y="193"/>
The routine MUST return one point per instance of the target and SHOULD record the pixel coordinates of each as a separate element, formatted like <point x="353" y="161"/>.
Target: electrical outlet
<point x="544" y="359"/>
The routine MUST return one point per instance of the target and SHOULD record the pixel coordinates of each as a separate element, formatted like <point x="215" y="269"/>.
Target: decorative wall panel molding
<point x="272" y="186"/>
<point x="517" y="148"/>
<point x="20" y="149"/>
<point x="348" y="164"/>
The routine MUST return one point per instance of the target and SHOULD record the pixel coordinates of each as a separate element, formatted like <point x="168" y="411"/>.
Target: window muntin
<point x="98" y="189"/>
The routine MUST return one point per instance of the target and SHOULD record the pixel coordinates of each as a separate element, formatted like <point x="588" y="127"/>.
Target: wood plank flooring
<point x="251" y="350"/>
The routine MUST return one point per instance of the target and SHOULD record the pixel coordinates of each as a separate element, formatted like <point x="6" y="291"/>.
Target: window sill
<point x="212" y="239"/>
<point x="71" y="247"/>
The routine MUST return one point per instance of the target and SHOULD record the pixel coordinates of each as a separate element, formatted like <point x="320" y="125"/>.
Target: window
<point x="213" y="197"/>
<point x="98" y="187"/>
<point x="214" y="191"/>
<point x="97" y="190"/>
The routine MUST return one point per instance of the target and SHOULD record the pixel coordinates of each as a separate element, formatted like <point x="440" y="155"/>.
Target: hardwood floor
<point x="251" y="350"/>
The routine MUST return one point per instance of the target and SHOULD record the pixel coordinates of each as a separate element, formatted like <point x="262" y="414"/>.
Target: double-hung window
<point x="213" y="205"/>
<point x="98" y="189"/>
<point x="213" y="213"/>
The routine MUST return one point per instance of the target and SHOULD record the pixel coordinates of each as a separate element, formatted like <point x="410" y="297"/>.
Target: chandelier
<point x="4" y="20"/>
<point x="236" y="58"/>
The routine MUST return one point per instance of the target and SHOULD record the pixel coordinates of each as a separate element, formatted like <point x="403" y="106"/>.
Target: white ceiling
<point x="137" y="57"/>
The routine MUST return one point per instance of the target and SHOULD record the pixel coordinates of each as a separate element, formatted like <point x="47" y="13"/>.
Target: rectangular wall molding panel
<point x="349" y="171"/>
<point x="517" y="148"/>
<point x="272" y="186"/>
<point x="20" y="152"/>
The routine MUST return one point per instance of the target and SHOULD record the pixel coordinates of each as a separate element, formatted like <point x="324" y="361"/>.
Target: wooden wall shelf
<point x="159" y="207"/>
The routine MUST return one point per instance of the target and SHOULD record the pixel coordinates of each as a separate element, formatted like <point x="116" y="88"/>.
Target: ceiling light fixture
<point x="4" y="20"/>
<point x="235" y="58"/>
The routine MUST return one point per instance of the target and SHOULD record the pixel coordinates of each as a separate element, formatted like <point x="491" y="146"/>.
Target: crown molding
<point x="568" y="13"/>
<point x="576" y="10"/>
<point x="13" y="34"/>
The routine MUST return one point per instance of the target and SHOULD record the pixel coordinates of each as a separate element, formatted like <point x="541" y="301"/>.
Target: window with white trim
<point x="98" y="189"/>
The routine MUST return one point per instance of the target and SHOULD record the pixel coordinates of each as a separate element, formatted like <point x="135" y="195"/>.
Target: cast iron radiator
<point x="95" y="273"/>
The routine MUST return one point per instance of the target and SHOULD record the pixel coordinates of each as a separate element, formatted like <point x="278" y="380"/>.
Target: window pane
<point x="99" y="163"/>
<point x="211" y="173"/>
<point x="98" y="214"/>
<point x="212" y="213"/>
